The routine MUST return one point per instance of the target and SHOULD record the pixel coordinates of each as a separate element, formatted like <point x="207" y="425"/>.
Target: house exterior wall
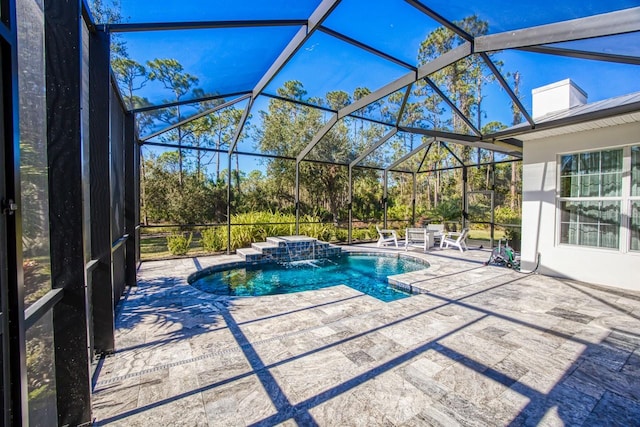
<point x="607" y="267"/>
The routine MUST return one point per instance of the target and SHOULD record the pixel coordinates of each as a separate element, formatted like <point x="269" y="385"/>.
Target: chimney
<point x="557" y="96"/>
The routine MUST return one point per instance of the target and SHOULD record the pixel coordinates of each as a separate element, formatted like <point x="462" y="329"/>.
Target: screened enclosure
<point x="136" y="130"/>
<point x="323" y="123"/>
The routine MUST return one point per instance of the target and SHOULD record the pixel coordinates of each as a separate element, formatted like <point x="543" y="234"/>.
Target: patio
<point x="485" y="346"/>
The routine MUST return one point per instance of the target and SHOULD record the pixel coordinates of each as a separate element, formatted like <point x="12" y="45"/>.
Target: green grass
<point x="155" y="247"/>
<point x="483" y="234"/>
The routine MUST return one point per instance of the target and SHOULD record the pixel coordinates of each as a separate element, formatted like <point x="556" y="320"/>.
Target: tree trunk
<point x="436" y="190"/>
<point x="179" y="152"/>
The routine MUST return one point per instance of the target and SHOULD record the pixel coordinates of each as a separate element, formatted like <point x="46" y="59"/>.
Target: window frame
<point x="625" y="201"/>
<point x="632" y="199"/>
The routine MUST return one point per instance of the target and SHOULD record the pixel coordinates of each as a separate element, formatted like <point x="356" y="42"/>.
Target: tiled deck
<point x="486" y="346"/>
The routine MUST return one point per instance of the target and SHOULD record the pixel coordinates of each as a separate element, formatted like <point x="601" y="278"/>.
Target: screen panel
<point x="117" y="169"/>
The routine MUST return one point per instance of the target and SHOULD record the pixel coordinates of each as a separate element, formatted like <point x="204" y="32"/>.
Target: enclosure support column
<point x="413" y="201"/>
<point x="350" y="204"/>
<point x="465" y="202"/>
<point x="493" y="192"/>
<point x="131" y="197"/>
<point x="229" y="204"/>
<point x="63" y="53"/>
<point x="99" y="278"/>
<point x="13" y="340"/>
<point x="384" y="200"/>
<point x="297" y="197"/>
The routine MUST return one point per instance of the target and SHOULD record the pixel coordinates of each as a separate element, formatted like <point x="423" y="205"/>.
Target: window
<point x="635" y="225"/>
<point x="596" y="198"/>
<point x="590" y="190"/>
<point x="634" y="218"/>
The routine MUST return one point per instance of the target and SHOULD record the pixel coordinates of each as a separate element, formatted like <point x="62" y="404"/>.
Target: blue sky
<point x="229" y="60"/>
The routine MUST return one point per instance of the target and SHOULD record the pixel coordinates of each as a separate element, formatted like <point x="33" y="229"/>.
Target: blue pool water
<point x="367" y="274"/>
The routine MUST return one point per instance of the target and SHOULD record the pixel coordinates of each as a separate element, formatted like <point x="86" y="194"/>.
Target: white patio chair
<point x="453" y="238"/>
<point x="387" y="236"/>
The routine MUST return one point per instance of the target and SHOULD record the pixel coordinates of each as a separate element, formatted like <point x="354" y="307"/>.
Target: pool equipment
<point x="504" y="255"/>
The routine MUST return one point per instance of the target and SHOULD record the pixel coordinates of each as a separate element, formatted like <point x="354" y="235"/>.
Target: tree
<point x="171" y="74"/>
<point x="110" y="14"/>
<point x="464" y="83"/>
<point x="463" y="80"/>
<point x="131" y="76"/>
<point x="195" y="201"/>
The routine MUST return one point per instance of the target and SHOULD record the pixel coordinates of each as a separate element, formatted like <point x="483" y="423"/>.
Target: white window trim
<point x="624" y="242"/>
<point x="630" y="200"/>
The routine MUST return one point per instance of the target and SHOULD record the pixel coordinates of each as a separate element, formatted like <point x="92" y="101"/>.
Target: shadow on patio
<point x="485" y="346"/>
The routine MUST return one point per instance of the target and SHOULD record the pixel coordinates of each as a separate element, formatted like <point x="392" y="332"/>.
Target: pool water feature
<point x="364" y="273"/>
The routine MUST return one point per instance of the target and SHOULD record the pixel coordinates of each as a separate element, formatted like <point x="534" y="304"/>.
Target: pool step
<point x="250" y="255"/>
<point x="264" y="246"/>
<point x="287" y="248"/>
<point x="292" y="240"/>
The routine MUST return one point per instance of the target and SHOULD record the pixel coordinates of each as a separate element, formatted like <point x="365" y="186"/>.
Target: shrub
<point x="361" y="234"/>
<point x="341" y="234"/>
<point x="242" y="236"/>
<point x="178" y="244"/>
<point x="213" y="239"/>
<point x="506" y="215"/>
<point x="315" y="229"/>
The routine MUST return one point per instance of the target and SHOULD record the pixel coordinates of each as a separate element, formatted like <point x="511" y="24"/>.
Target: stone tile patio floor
<point x="486" y="346"/>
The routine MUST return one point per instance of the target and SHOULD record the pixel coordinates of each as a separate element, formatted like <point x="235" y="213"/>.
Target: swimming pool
<point x="364" y="273"/>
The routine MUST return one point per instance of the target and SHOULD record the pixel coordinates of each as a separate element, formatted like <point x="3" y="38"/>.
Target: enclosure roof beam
<point x="317" y="17"/>
<point x="424" y="158"/>
<point x="409" y="78"/>
<point x="318" y="136"/>
<point x="367" y="48"/>
<point x="187" y="101"/>
<point x="410" y="154"/>
<point x="582" y="54"/>
<point x="440" y="19"/>
<point x="374" y="147"/>
<point x="299" y="102"/>
<point x="437" y="64"/>
<point x="475" y="165"/>
<point x="405" y="98"/>
<point x="323" y="108"/>
<point x="506" y="87"/>
<point x="200" y="25"/>
<point x="605" y="24"/>
<point x="444" y="144"/>
<point x="86" y="14"/>
<point x="438" y="133"/>
<point x="195" y="117"/>
<point x="453" y="106"/>
<point x="498" y="146"/>
<point x="239" y="127"/>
